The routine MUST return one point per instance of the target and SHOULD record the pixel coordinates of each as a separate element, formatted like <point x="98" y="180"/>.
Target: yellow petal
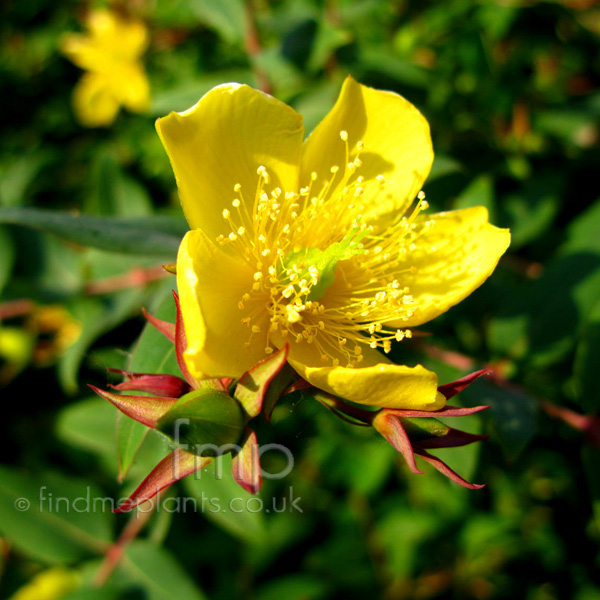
<point x="377" y="382"/>
<point x="451" y="259"/>
<point x="384" y="385"/>
<point x="94" y="102"/>
<point x="130" y="85"/>
<point x="221" y="142"/>
<point x="126" y="38"/>
<point x="211" y="283"/>
<point x="396" y="141"/>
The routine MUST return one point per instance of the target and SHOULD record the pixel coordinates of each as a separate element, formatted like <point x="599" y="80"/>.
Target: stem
<point x="135" y="278"/>
<point x="253" y="48"/>
<point x="16" y="308"/>
<point x="116" y="551"/>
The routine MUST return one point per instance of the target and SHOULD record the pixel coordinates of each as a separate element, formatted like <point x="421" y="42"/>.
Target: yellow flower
<point x="317" y="244"/>
<point x="115" y="77"/>
<point x="52" y="584"/>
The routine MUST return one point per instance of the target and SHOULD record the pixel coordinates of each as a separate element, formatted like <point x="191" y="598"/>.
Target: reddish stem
<point x="115" y="552"/>
<point x="253" y="48"/>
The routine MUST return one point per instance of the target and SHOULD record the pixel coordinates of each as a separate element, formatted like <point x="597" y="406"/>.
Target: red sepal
<point x="246" y="463"/>
<point x="176" y="466"/>
<point x="159" y="385"/>
<point x="144" y="409"/>
<point x="454" y="387"/>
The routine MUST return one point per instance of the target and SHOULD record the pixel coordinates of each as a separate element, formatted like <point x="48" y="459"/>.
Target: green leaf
<point x="478" y="193"/>
<point x="226" y="17"/>
<point x="153" y="353"/>
<point x="442" y="166"/>
<point x="381" y="60"/>
<point x="96" y="316"/>
<point x="17" y="174"/>
<point x="113" y="192"/>
<point x="53" y="518"/>
<point x="7" y="256"/>
<point x="157" y="571"/>
<point x="293" y="587"/>
<point x="512" y="416"/>
<point x="149" y="236"/>
<point x="90" y="425"/>
<point x="587" y="359"/>
<point x="184" y="94"/>
<point x="225" y="503"/>
<point x="327" y="40"/>
<point x="530" y="212"/>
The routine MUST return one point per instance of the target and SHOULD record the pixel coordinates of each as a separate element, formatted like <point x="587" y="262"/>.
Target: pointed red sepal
<point x="251" y="388"/>
<point x="454" y="387"/>
<point x="181" y="343"/>
<point x="176" y="466"/>
<point x="299" y="384"/>
<point x="158" y="385"/>
<point x="447" y="411"/>
<point x="453" y="439"/>
<point x="226" y="382"/>
<point x="144" y="409"/>
<point x="246" y="463"/>
<point x="390" y="427"/>
<point x="166" y="328"/>
<point x="444" y="469"/>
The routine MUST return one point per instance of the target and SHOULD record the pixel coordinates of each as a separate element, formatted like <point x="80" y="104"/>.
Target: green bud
<point x="204" y="421"/>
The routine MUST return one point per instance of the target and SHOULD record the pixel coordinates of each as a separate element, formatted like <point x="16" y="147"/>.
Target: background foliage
<point x="510" y="90"/>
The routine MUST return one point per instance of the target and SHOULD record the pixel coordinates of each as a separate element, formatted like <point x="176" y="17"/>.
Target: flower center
<point x="322" y="275"/>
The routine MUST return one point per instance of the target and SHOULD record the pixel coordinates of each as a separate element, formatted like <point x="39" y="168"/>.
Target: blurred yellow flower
<point x="52" y="584"/>
<point x="317" y="244"/>
<point x="115" y="77"/>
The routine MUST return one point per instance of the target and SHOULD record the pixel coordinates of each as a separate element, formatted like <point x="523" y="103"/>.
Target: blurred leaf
<point x="7" y="256"/>
<point x="571" y="126"/>
<point x="400" y="533"/>
<point x="16" y="175"/>
<point x="540" y="319"/>
<point x="225" y="503"/>
<point x="52" y="518"/>
<point x="185" y="94"/>
<point x="381" y="60"/>
<point x="590" y="457"/>
<point x="153" y="353"/>
<point x="113" y="192"/>
<point x="442" y="166"/>
<point x="479" y="193"/>
<point x="157" y="571"/>
<point x="106" y="592"/>
<point x="327" y="40"/>
<point x="513" y="415"/>
<point x="582" y="233"/>
<point x="293" y="587"/>
<point x="587" y="359"/>
<point x="46" y="268"/>
<point x="149" y="236"/>
<point x="314" y="103"/>
<point x="533" y="209"/>
<point x="96" y="316"/>
<point x="226" y="17"/>
<point x="90" y="424"/>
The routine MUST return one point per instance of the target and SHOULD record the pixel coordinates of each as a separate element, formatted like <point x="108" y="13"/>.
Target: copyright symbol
<point x="22" y="504"/>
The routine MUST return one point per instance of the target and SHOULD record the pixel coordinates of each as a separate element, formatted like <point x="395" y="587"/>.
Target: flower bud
<point x="204" y="421"/>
